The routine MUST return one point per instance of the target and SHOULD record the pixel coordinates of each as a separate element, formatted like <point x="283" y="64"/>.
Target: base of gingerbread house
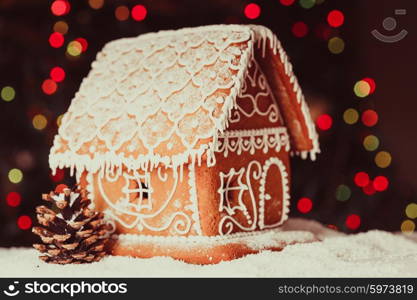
<point x="205" y="249"/>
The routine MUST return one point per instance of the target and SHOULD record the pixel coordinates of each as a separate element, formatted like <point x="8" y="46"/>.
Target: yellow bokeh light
<point x="371" y="143"/>
<point x="383" y="159"/>
<point x="411" y="210"/>
<point x="61" y="27"/>
<point x="96" y="4"/>
<point x="39" y="122"/>
<point x="362" y="88"/>
<point x="336" y="45"/>
<point x="407" y="226"/>
<point x="74" y="48"/>
<point x="8" y="93"/>
<point x="15" y="175"/>
<point x="307" y="3"/>
<point x="59" y="120"/>
<point x="351" y="116"/>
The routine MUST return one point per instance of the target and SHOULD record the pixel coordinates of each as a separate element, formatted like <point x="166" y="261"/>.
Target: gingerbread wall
<point x="247" y="187"/>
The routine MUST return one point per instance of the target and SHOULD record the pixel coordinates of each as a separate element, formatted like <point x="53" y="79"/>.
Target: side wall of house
<point x="248" y="187"/>
<point x="161" y="202"/>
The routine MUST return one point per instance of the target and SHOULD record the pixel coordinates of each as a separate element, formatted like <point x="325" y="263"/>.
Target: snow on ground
<point x="370" y="254"/>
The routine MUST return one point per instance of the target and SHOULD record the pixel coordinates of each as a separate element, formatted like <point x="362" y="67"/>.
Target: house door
<point x="273" y="194"/>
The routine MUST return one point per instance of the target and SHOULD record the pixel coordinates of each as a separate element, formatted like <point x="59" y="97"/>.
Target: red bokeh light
<point x="139" y="12"/>
<point x="304" y="205"/>
<point x="371" y="83"/>
<point x="361" y="179"/>
<point x="56" y="40"/>
<point x="24" y="222"/>
<point x="299" y="29"/>
<point x="335" y="18"/>
<point x="324" y="122"/>
<point x="353" y="222"/>
<point x="369" y="189"/>
<point x="252" y="11"/>
<point x="380" y="183"/>
<point x="83" y="42"/>
<point x="57" y="74"/>
<point x="59" y="175"/>
<point x="13" y="199"/>
<point x="49" y="86"/>
<point x="60" y="7"/>
<point x="287" y="2"/>
<point x="369" y="118"/>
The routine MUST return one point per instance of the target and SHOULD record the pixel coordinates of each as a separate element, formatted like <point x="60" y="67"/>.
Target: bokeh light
<point x="353" y="221"/>
<point x="252" y="11"/>
<point x="369" y="189"/>
<point x="15" y="175"/>
<point x="57" y="74"/>
<point x="13" y="199"/>
<point x="380" y="183"/>
<point x="361" y="179"/>
<point x="7" y="93"/>
<point x="49" y="86"/>
<point x="362" y="89"/>
<point x="335" y="18"/>
<point x="343" y="192"/>
<point x="304" y="205"/>
<point x="307" y="4"/>
<point x="408" y="226"/>
<point x="371" y="142"/>
<point x="336" y="45"/>
<point x="324" y="122"/>
<point x="139" y="12"/>
<point x="299" y="29"/>
<point x="74" y="48"/>
<point x="56" y="40"/>
<point x="96" y="4"/>
<point x="351" y="116"/>
<point x="39" y="122"/>
<point x="24" y="222"/>
<point x="25" y="160"/>
<point x="121" y="13"/>
<point x="369" y="118"/>
<point x="59" y="120"/>
<point x="61" y="27"/>
<point x="411" y="210"/>
<point x="383" y="159"/>
<point x="83" y="42"/>
<point x="287" y="2"/>
<point x="371" y="83"/>
<point x="60" y="7"/>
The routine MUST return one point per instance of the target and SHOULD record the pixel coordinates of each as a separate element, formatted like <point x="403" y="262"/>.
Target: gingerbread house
<point x="184" y="139"/>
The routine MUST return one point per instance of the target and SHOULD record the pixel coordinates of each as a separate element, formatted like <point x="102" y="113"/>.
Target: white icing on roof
<point x="161" y="98"/>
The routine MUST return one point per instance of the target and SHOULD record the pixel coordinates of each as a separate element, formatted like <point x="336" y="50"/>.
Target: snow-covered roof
<point x="163" y="98"/>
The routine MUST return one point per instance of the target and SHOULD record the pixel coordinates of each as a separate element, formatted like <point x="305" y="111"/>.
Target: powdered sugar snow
<point x="371" y="254"/>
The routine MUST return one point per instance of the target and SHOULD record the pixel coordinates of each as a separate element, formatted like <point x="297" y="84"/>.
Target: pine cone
<point x="71" y="232"/>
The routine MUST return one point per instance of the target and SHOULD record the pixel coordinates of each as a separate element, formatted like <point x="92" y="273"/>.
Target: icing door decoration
<point x="273" y="197"/>
<point x="253" y="191"/>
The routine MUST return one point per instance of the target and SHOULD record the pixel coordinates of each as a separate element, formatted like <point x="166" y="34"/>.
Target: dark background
<point x="26" y="59"/>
